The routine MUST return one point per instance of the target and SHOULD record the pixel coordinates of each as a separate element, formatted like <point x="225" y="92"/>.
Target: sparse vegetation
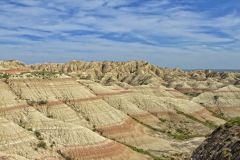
<point x="233" y="121"/>
<point x="30" y="129"/>
<point x="22" y="123"/>
<point x="94" y="128"/>
<point x="193" y="94"/>
<point x="216" y="102"/>
<point x="4" y="76"/>
<point x="227" y="153"/>
<point x="53" y="144"/>
<point x="30" y="103"/>
<point x="179" y="134"/>
<point x="40" y="102"/>
<point x="217" y="114"/>
<point x="75" y="105"/>
<point x="215" y="98"/>
<point x="63" y="155"/>
<point x="206" y="123"/>
<point x="87" y="119"/>
<point x="162" y="120"/>
<point x="38" y="135"/>
<point x="50" y="116"/>
<point x="44" y="74"/>
<point x="42" y="144"/>
<point x="142" y="151"/>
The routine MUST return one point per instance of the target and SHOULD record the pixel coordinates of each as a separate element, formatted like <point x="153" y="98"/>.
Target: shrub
<point x="162" y="120"/>
<point x="234" y="121"/>
<point x="52" y="144"/>
<point x="42" y="144"/>
<point x="94" y="128"/>
<point x="63" y="155"/>
<point x="42" y="102"/>
<point x="50" y="116"/>
<point x="38" y="135"/>
<point x="29" y="129"/>
<point x="30" y="103"/>
<point x="4" y="76"/>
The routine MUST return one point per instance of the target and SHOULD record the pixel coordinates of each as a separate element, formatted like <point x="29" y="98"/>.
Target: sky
<point x="189" y="34"/>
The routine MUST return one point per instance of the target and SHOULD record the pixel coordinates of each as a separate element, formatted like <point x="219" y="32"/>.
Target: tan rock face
<point x="12" y="67"/>
<point x="140" y="73"/>
<point x="110" y="110"/>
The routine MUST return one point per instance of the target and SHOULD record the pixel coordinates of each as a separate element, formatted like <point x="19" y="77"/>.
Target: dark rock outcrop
<point x="222" y="144"/>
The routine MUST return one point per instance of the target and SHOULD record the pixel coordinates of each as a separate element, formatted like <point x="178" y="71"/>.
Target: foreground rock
<point x="222" y="144"/>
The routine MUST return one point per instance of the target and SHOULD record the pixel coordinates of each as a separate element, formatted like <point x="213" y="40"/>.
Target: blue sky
<point x="169" y="33"/>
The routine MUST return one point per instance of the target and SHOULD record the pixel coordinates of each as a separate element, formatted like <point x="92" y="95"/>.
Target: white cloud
<point x="170" y="29"/>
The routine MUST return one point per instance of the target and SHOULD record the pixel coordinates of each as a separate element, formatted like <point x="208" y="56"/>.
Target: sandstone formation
<point x="12" y="67"/>
<point x="110" y="110"/>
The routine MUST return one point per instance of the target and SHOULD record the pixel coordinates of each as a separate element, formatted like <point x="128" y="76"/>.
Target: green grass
<point x="210" y="124"/>
<point x="179" y="134"/>
<point x="218" y="115"/>
<point x="206" y="123"/>
<point x="142" y="151"/>
<point x="233" y="121"/>
<point x="42" y="74"/>
<point x="4" y="76"/>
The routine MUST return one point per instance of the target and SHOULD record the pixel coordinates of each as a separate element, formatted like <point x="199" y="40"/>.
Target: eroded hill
<point x="110" y="110"/>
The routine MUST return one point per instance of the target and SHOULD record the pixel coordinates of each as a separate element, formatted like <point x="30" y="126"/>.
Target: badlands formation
<point x="223" y="143"/>
<point x="110" y="110"/>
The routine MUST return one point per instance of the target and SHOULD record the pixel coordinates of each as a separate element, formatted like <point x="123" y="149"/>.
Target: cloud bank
<point x="171" y="33"/>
